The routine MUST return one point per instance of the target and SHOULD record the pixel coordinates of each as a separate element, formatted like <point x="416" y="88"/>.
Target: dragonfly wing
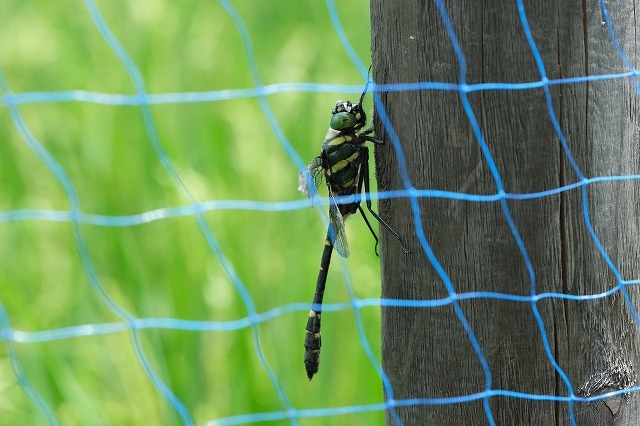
<point x="310" y="177"/>
<point x="337" y="234"/>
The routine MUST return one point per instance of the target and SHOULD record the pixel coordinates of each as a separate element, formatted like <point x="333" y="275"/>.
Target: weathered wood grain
<point x="426" y="352"/>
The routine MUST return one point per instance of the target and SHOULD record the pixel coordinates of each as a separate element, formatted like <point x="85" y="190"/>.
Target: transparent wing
<point x="336" y="232"/>
<point x="310" y="177"/>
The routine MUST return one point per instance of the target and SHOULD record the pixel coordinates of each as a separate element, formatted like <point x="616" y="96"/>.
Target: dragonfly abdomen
<point x="312" y="340"/>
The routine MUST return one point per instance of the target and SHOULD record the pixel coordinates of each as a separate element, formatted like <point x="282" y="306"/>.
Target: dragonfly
<point x="344" y="165"/>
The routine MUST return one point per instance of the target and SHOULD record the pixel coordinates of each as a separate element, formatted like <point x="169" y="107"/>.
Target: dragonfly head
<point x="347" y="117"/>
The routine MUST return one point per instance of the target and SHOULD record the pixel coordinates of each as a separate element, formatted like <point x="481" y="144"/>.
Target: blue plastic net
<point x="14" y="102"/>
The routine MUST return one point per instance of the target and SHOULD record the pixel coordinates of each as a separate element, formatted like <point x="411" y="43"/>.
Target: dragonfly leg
<point x="364" y="179"/>
<point x="365" y="137"/>
<point x="366" y="220"/>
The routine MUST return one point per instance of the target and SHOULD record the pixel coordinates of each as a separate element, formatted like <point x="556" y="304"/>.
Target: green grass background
<point x="221" y="150"/>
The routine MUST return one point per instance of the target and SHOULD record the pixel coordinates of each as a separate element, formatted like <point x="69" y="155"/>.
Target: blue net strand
<point x="556" y="125"/>
<point x="344" y="40"/>
<point x="7" y="334"/>
<point x="88" y="265"/>
<point x="202" y="223"/>
<point x="293" y="87"/>
<point x="124" y="322"/>
<point x="547" y="92"/>
<point x="614" y="39"/>
<point x="253" y="67"/>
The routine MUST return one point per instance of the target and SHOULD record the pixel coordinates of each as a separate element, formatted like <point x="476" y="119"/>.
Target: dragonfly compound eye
<point x="343" y="121"/>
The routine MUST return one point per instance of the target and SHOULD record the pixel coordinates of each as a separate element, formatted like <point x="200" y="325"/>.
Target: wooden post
<point x="427" y="353"/>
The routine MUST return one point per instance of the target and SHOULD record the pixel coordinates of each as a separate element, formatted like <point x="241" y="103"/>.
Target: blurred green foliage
<point x="221" y="150"/>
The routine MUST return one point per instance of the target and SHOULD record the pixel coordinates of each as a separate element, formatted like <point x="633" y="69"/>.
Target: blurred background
<point x="221" y="150"/>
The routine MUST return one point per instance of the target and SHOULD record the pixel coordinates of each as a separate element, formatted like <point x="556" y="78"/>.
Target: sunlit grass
<point x="221" y="150"/>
